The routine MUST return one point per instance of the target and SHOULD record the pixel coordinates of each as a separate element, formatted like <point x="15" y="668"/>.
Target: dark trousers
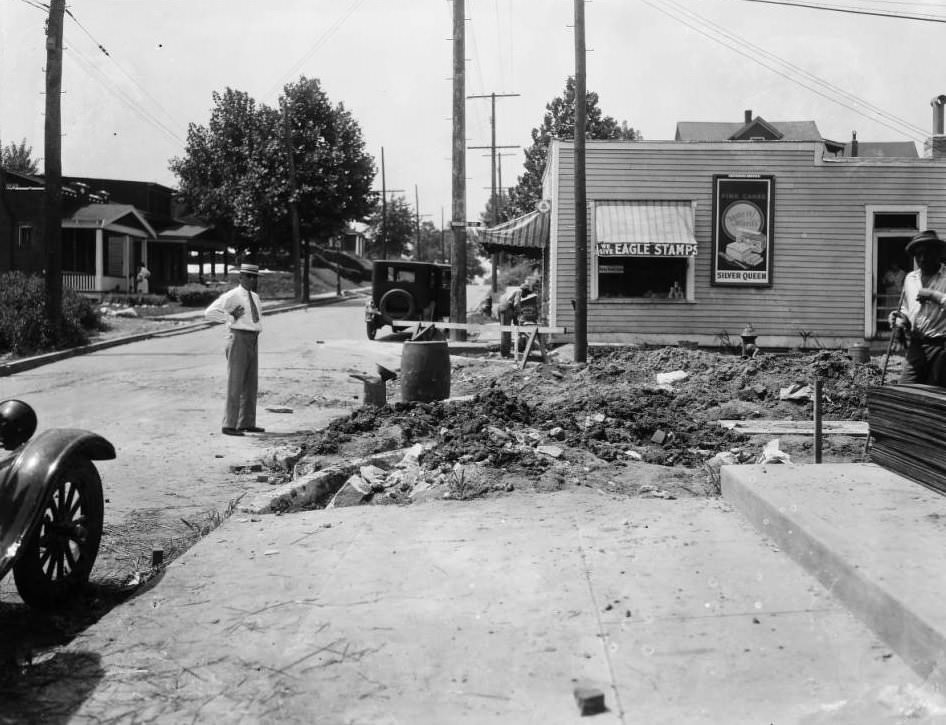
<point x="242" y="379"/>
<point x="924" y="362"/>
<point x="507" y="316"/>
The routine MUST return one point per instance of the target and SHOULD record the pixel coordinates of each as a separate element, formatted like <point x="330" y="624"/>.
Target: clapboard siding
<point x="819" y="241"/>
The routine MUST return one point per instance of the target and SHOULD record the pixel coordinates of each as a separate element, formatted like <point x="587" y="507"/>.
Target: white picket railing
<point x="79" y="282"/>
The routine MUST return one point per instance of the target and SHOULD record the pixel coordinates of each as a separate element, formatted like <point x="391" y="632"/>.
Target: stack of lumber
<point x="908" y="428"/>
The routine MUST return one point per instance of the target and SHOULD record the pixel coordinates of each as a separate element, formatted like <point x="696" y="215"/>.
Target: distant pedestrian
<point x="509" y="310"/>
<point x="141" y="279"/>
<point x="240" y="308"/>
<point x="922" y="313"/>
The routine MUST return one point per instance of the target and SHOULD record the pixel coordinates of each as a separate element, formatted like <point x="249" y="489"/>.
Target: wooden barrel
<point x="425" y="371"/>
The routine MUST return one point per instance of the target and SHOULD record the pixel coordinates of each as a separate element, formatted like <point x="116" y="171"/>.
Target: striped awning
<point x="644" y="229"/>
<point x="527" y="234"/>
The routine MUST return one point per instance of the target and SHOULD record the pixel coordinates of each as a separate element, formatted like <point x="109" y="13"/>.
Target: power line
<point x="785" y="68"/>
<point x="131" y="103"/>
<point x="854" y="11"/>
<point x="127" y="75"/>
<point x="39" y="6"/>
<point x="315" y="47"/>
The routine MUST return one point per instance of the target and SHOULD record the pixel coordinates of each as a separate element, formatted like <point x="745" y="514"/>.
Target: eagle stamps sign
<point x="742" y="230"/>
<point x="646" y="249"/>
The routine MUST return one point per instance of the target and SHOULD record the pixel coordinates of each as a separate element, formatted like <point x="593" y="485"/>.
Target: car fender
<point x="25" y="479"/>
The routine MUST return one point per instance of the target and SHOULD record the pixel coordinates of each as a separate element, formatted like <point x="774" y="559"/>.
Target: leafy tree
<point x="220" y="163"/>
<point x="334" y="174"/>
<point x="559" y="122"/>
<point x="236" y="173"/>
<point x="19" y="158"/>
<point x="433" y="243"/>
<point x="399" y="224"/>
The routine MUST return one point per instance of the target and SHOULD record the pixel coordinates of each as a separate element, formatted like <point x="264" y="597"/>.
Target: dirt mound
<point x="659" y="406"/>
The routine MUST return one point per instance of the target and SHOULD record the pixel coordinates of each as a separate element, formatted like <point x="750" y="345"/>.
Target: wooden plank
<point x="796" y="427"/>
<point x="472" y="327"/>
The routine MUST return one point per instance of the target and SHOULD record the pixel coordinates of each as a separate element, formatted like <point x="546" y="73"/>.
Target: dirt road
<point x="160" y="402"/>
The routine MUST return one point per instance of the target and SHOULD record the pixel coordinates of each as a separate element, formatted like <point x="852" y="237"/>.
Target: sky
<point x="390" y="62"/>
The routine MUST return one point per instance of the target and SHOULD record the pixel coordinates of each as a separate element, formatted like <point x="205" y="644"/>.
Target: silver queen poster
<point x="742" y="230"/>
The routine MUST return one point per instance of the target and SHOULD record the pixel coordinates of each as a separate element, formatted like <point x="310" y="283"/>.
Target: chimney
<point x="937" y="142"/>
<point x="937" y="104"/>
<point x="748" y="115"/>
<point x="853" y="143"/>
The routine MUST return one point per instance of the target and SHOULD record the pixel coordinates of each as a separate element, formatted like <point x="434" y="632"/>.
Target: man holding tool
<point x="922" y="313"/>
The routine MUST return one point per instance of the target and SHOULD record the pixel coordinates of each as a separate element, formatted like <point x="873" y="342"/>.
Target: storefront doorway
<point x="890" y="230"/>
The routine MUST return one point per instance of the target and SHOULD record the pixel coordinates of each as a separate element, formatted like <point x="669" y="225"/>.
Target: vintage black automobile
<point x="51" y="506"/>
<point x="406" y="291"/>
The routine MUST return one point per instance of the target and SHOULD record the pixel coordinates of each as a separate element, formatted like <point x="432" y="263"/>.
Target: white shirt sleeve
<point x="220" y="309"/>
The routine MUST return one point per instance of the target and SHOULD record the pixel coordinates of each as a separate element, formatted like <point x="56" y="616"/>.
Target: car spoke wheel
<point x="57" y="558"/>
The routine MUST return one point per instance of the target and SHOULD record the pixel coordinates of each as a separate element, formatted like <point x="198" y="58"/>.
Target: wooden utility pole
<point x="493" y="186"/>
<point x="297" y="259"/>
<point x="53" y="164"/>
<point x="581" y="212"/>
<point x="384" y="209"/>
<point x="384" y="212"/>
<point x="417" y="216"/>
<point x="458" y="279"/>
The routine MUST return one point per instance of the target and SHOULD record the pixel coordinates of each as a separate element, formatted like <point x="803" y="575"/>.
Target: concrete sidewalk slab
<point x="872" y="537"/>
<point x="490" y="611"/>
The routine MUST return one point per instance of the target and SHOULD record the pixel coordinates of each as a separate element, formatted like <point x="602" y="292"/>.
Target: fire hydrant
<point x="749" y="348"/>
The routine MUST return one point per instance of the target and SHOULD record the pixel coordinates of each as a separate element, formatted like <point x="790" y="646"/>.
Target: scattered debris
<point x="563" y="424"/>
<point x="796" y="391"/>
<point x="772" y="454"/>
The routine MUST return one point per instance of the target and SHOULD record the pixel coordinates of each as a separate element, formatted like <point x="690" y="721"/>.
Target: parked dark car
<point x="51" y="506"/>
<point x="406" y="292"/>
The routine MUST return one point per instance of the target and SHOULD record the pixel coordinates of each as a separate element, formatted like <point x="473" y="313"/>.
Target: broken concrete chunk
<point x="373" y="475"/>
<point x="553" y="451"/>
<point x="354" y="492"/>
<point x="796" y="392"/>
<point x="634" y="455"/>
<point x="658" y="437"/>
<point x="412" y="455"/>
<point x="671" y="378"/>
<point x="557" y="433"/>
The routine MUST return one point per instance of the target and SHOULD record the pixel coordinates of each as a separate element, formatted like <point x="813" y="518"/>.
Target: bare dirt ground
<point x="609" y="423"/>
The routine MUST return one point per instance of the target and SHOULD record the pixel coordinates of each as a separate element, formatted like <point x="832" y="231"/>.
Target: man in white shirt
<point x="922" y="312"/>
<point x="240" y="308"/>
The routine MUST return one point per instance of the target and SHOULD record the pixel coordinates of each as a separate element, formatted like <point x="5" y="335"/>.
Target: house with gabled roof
<point x="108" y="227"/>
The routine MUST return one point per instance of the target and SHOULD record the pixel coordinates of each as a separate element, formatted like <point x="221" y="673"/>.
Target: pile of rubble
<point x="623" y="415"/>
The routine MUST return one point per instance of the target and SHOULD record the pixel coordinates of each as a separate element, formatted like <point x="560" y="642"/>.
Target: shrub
<point x="194" y="295"/>
<point x="24" y="328"/>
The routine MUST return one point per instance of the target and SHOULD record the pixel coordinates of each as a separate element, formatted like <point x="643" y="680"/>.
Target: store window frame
<point x="689" y="291"/>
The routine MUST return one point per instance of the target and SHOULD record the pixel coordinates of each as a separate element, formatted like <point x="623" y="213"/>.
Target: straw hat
<point x="929" y="237"/>
<point x="249" y="269"/>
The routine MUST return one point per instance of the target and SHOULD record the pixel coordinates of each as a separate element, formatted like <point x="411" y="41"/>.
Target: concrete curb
<point x="319" y="487"/>
<point x="847" y="530"/>
<point x="29" y="363"/>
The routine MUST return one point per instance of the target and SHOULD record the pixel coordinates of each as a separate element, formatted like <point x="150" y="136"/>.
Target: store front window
<point x="644" y="250"/>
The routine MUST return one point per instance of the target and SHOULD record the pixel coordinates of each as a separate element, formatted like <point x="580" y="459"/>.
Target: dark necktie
<point x="254" y="313"/>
